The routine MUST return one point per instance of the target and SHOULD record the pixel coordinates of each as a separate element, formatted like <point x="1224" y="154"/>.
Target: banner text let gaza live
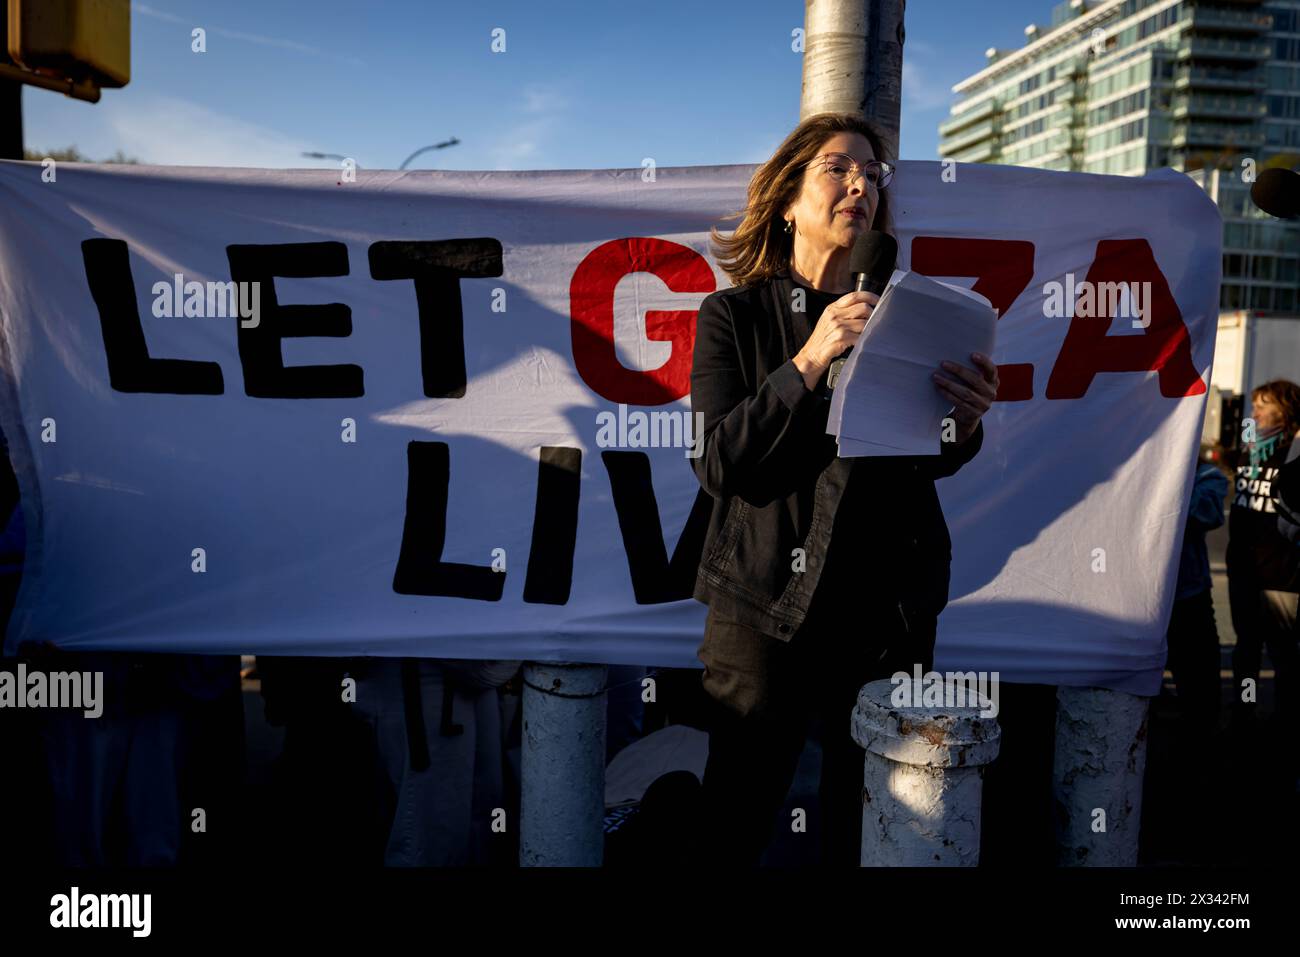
<point x="1003" y="270"/>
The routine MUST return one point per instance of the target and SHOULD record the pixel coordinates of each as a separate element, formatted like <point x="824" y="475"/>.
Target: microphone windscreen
<point x="1277" y="192"/>
<point x="874" y="255"/>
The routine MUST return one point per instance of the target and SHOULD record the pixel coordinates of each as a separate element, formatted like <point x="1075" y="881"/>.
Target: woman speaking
<point x="820" y="573"/>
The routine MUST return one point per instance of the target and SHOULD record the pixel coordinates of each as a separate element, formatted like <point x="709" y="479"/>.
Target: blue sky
<point x="580" y="85"/>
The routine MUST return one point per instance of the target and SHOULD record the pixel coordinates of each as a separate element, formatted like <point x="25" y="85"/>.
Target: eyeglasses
<point x="844" y="170"/>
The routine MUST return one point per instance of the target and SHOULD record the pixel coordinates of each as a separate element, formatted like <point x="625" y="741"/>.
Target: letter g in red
<point x="591" y="318"/>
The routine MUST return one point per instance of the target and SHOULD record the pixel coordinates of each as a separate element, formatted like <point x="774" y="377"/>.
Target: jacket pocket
<point x="725" y="544"/>
<point x="763" y="557"/>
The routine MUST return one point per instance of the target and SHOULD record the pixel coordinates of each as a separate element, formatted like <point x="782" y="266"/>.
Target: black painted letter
<point x="437" y="267"/>
<point x="130" y="369"/>
<point x="265" y="375"/>
<point x="420" y="568"/>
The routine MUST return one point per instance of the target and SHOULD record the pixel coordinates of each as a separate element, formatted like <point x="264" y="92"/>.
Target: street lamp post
<point x="424" y="149"/>
<point x="325" y="156"/>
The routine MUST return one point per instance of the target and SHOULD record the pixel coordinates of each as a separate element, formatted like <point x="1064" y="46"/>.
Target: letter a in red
<point x="1165" y="347"/>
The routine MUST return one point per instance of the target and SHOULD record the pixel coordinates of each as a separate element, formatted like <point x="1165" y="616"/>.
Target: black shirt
<point x="768" y="464"/>
<point x="865" y="526"/>
<point x="1257" y="552"/>
<point x="815" y="303"/>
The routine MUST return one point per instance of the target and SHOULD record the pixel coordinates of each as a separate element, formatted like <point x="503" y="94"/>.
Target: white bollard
<point x="562" y="766"/>
<point x="923" y="775"/>
<point x="1101" y="756"/>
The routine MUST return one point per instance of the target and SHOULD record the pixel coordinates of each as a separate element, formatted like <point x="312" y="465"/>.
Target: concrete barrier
<point x="922" y="775"/>
<point x="1101" y="751"/>
<point x="562" y="766"/>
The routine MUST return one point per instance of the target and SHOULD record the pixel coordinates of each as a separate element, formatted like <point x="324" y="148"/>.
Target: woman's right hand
<point x="839" y="327"/>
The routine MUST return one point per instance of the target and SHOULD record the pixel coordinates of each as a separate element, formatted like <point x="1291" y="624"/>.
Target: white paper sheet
<point x="885" y="402"/>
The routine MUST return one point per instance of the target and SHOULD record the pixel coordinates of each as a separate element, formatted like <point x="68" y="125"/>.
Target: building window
<point x="1286" y="48"/>
<point x="1111" y="111"/>
<point x="1155" y="24"/>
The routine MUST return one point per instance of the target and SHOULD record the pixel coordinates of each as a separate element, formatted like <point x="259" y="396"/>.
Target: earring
<point x="789" y="226"/>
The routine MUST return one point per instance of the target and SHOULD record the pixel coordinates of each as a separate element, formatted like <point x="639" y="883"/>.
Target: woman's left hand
<point x="971" y="391"/>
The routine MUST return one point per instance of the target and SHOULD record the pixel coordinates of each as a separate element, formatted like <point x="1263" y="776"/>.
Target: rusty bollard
<point x="923" y="774"/>
<point x="1101" y="749"/>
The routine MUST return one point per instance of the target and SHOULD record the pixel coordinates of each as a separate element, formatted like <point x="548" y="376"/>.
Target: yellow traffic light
<point x="83" y="42"/>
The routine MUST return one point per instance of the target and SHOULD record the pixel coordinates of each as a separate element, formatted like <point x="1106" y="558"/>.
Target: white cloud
<point x="539" y="99"/>
<point x="258" y="38"/>
<point x="173" y="132"/>
<point x="923" y="88"/>
<point x="521" y="146"/>
<point x="518" y="147"/>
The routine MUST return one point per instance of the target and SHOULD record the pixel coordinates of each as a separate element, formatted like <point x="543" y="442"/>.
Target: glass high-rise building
<point x="1123" y="86"/>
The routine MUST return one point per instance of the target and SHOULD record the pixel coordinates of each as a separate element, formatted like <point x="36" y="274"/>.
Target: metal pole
<point x="11" y="119"/>
<point x="562" y="767"/>
<point x="11" y="103"/>
<point x="424" y="149"/>
<point x="853" y="62"/>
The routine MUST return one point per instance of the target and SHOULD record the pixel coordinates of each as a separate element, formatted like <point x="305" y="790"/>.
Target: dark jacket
<point x="1287" y="500"/>
<point x="1258" y="554"/>
<point x="1204" y="514"/>
<point x="777" y="481"/>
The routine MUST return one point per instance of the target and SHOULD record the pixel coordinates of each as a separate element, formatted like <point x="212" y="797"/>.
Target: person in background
<point x="624" y="708"/>
<point x="322" y="805"/>
<point x="1263" y="565"/>
<point x="212" y="766"/>
<point x="24" y="796"/>
<point x="439" y="732"/>
<point x="1193" y="637"/>
<point x="115" y="781"/>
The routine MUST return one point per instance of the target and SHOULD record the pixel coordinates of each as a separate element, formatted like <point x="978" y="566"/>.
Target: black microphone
<point x="871" y="262"/>
<point x="1277" y="192"/>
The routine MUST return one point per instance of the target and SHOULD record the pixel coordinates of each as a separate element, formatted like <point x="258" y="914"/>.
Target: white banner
<point x="407" y="413"/>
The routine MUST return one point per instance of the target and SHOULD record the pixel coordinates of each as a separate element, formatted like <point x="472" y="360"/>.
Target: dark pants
<point x="1193" y="640"/>
<point x="766" y="693"/>
<point x="1263" y="618"/>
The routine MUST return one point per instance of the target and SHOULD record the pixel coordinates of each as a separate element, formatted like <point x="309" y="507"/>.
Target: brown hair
<point x="759" y="247"/>
<point x="1287" y="396"/>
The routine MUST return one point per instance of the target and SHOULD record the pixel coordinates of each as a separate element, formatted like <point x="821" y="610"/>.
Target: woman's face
<point x="1266" y="412"/>
<point x="818" y="212"/>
